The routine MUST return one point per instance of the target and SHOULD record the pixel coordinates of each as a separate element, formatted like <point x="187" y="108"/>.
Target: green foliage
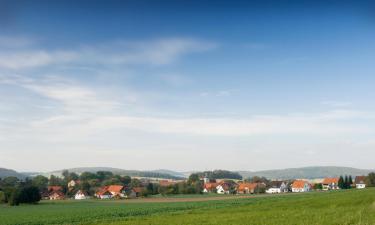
<point x="9" y="182"/>
<point x="40" y="182"/>
<point x="28" y="194"/>
<point x="341" y="183"/>
<point x="14" y="198"/>
<point x="55" y="181"/>
<point x="318" y="186"/>
<point x="2" y="197"/>
<point x="370" y="180"/>
<point x="220" y="174"/>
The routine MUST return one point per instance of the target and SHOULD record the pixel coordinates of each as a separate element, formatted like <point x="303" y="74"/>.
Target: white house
<point x="360" y="182"/>
<point x="330" y="184"/>
<point x="300" y="186"/>
<point x="103" y="194"/>
<point x="277" y="187"/>
<point x="223" y="188"/>
<point x="80" y="195"/>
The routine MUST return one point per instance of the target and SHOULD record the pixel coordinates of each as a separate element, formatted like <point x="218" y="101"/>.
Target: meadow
<point x="336" y="207"/>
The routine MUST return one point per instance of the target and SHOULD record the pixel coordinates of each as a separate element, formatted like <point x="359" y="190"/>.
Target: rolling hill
<point x="10" y="173"/>
<point x="166" y="174"/>
<point x="306" y="172"/>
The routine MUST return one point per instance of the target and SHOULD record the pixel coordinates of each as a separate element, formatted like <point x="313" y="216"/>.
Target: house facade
<point x="103" y="194"/>
<point x="300" y="186"/>
<point x="81" y="195"/>
<point x="360" y="182"/>
<point x="117" y="190"/>
<point x="277" y="187"/>
<point x="247" y="188"/>
<point x="330" y="184"/>
<point x="210" y="187"/>
<point x="56" y="195"/>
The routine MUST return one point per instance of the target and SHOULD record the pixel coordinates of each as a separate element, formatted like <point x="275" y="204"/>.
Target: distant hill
<point x="10" y="173"/>
<point x="165" y="174"/>
<point x="306" y="172"/>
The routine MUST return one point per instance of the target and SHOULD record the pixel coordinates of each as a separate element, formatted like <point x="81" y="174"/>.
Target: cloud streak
<point x="155" y="52"/>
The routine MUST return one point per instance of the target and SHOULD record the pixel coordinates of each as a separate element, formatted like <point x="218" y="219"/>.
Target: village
<point x="203" y="185"/>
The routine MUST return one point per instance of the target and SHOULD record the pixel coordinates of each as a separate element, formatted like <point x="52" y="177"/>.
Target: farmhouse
<point x="360" y="182"/>
<point x="225" y="187"/>
<point x="103" y="194"/>
<point x="247" y="188"/>
<point x="210" y="187"/>
<point x="300" y="186"/>
<point x="56" y="195"/>
<point x="117" y="190"/>
<point x="330" y="184"/>
<point x="277" y="187"/>
<point x="136" y="192"/>
<point x="80" y="195"/>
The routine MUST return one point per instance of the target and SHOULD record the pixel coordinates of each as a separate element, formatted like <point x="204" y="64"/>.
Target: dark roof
<point x="360" y="179"/>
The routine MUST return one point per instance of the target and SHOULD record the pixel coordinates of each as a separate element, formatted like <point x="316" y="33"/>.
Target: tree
<point x="103" y="175"/>
<point x="29" y="195"/>
<point x="41" y="182"/>
<point x="9" y="182"/>
<point x="65" y="174"/>
<point x="55" y="181"/>
<point x="193" y="178"/>
<point x="350" y="182"/>
<point x="14" y="198"/>
<point x="135" y="183"/>
<point x="318" y="186"/>
<point x="341" y="183"/>
<point x="2" y="197"/>
<point x="346" y="182"/>
<point x="87" y="176"/>
<point x="370" y="180"/>
<point x="125" y="180"/>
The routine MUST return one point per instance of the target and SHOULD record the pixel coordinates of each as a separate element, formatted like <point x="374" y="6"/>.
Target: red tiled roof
<point x="54" y="188"/>
<point x="331" y="180"/>
<point x="210" y="186"/>
<point x="248" y="186"/>
<point x="115" y="188"/>
<point x="299" y="184"/>
<point x="360" y="179"/>
<point x="103" y="192"/>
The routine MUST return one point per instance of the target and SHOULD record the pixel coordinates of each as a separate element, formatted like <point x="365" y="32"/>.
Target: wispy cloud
<point x="154" y="52"/>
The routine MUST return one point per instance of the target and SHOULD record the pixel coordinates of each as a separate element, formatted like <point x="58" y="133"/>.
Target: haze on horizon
<point x="186" y="86"/>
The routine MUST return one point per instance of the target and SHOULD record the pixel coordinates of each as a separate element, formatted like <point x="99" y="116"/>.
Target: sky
<point x="187" y="86"/>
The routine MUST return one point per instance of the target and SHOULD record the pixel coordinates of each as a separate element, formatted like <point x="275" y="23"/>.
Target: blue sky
<point x="186" y="86"/>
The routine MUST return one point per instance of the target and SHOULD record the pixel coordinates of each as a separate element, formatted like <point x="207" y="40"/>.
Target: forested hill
<point x="10" y="173"/>
<point x="220" y="174"/>
<point x="165" y="174"/>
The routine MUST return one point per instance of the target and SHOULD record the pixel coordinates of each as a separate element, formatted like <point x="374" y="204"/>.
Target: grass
<point x="339" y="207"/>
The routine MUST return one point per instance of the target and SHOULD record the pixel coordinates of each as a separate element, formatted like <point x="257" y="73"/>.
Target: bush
<point x="2" y="197"/>
<point x="28" y="195"/>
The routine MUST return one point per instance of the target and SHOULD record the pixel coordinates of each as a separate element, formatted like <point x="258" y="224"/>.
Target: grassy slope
<point x="342" y="207"/>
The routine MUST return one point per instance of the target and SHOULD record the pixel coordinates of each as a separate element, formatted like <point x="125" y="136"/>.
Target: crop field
<point x="338" y="207"/>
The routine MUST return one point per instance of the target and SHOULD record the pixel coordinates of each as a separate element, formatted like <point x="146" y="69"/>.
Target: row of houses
<point x="106" y="192"/>
<point x="225" y="187"/>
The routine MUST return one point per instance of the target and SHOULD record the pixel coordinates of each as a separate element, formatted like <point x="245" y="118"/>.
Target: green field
<point x="339" y="207"/>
